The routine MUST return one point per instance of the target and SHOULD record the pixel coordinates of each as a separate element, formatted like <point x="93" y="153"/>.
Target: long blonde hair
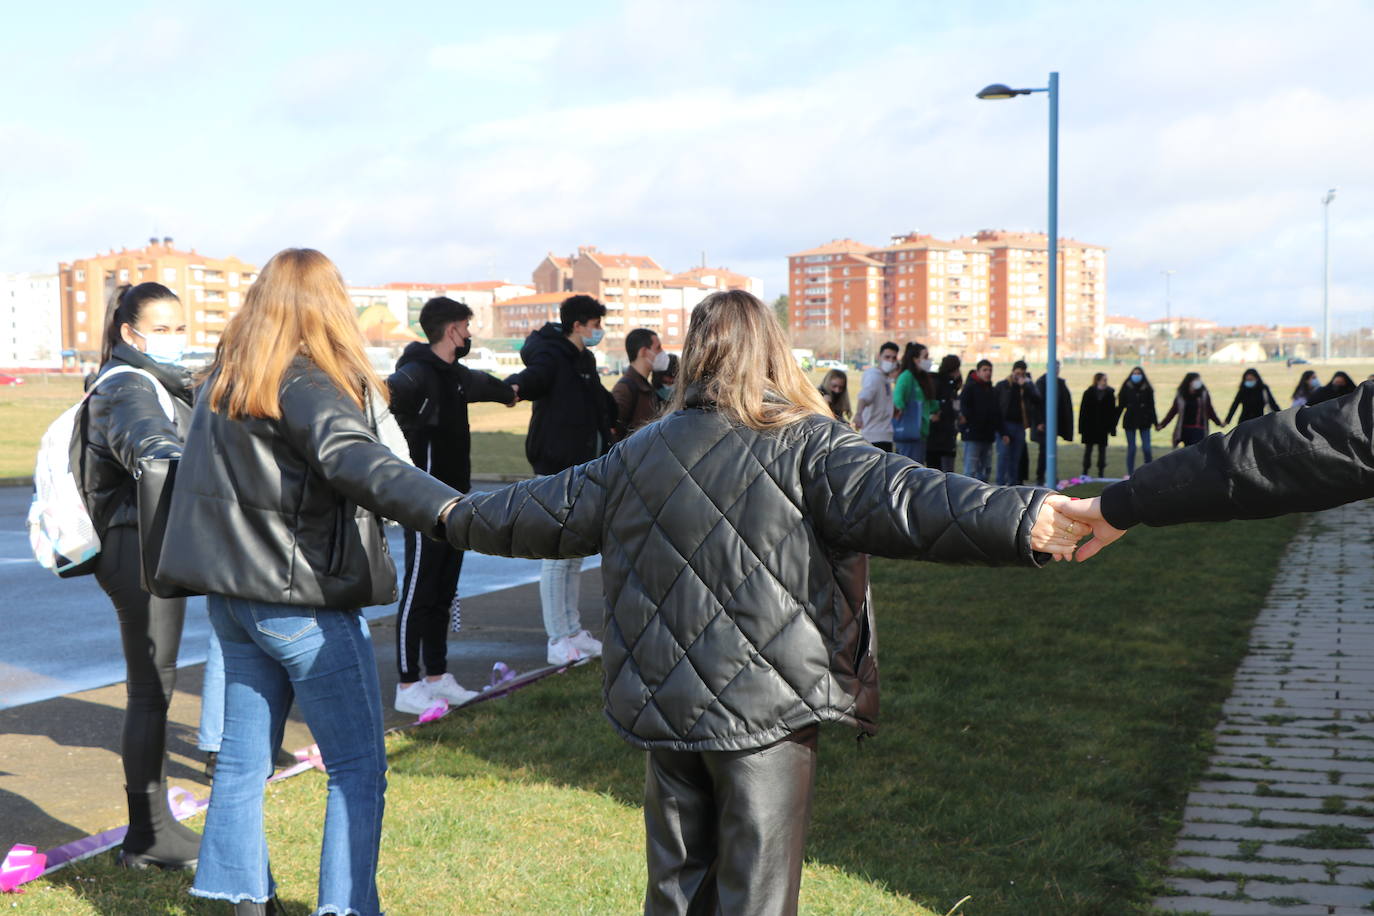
<point x="735" y="355"/>
<point x="298" y="306"/>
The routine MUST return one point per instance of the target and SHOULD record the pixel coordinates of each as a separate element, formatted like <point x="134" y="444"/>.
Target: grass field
<point x="1040" y="732"/>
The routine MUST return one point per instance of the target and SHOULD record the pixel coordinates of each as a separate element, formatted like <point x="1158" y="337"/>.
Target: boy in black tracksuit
<point x="430" y="393"/>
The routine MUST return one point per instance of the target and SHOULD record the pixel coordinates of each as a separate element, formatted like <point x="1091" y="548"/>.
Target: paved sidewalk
<point x="1284" y="819"/>
<point x="60" y="776"/>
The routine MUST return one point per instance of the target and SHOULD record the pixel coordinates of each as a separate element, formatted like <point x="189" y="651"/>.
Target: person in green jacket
<point x="915" y="403"/>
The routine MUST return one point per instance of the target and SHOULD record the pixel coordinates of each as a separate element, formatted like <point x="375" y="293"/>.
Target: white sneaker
<point x="562" y="651"/>
<point x="414" y="699"/>
<point x="586" y="643"/>
<point x="446" y="688"/>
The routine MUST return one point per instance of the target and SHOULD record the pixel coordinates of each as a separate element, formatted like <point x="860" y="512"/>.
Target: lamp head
<point x="999" y="91"/>
<point x="1330" y="196"/>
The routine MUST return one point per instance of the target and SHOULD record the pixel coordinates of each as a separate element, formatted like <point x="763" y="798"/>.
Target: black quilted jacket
<point x="735" y="569"/>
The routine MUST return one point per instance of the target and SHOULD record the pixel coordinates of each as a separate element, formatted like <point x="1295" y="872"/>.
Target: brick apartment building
<point x="211" y="289"/>
<point x="980" y="294"/>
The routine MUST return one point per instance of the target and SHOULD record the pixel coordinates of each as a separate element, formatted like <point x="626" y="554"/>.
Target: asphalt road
<point x="59" y="636"/>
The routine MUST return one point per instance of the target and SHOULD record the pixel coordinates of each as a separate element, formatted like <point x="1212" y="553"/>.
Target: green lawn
<point x="1040" y="732"/>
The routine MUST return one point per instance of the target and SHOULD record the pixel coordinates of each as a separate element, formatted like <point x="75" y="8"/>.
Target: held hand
<point x="516" y="389"/>
<point x="935" y="417"/>
<point x="1088" y="512"/>
<point x="1040" y="427"/>
<point x="1055" y="533"/>
<point x="1006" y="440"/>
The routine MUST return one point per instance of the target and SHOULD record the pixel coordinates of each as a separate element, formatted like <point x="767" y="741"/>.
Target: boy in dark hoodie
<point x="571" y="424"/>
<point x="430" y="393"/>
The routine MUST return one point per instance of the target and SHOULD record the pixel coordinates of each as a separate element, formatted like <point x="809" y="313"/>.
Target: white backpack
<point x="60" y="529"/>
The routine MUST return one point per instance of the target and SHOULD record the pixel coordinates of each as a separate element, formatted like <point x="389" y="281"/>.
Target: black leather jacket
<point x="573" y="412"/>
<point x="287" y="510"/>
<point x="125" y="422"/>
<point x="735" y="567"/>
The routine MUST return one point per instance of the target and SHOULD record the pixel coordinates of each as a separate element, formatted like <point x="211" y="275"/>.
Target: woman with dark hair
<point x="835" y="390"/>
<point x="1097" y="422"/>
<point x="731" y="639"/>
<point x="1308" y="384"/>
<point x="914" y="398"/>
<point x="1251" y="398"/>
<point x="1193" y="407"/>
<point x="1135" y="405"/>
<point x="943" y="441"/>
<point x="139" y="407"/>
<point x="1340" y="385"/>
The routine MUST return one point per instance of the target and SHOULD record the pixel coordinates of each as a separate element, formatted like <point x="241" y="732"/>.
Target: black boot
<point x="249" y="908"/>
<point x="211" y="758"/>
<point x="155" y="837"/>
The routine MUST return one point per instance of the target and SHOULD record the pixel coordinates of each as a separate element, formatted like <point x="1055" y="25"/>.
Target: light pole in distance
<point x="999" y="91"/>
<point x="1326" y="273"/>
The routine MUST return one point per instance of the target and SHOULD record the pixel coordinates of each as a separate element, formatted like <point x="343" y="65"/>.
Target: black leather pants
<point x="726" y="829"/>
<point x="151" y="631"/>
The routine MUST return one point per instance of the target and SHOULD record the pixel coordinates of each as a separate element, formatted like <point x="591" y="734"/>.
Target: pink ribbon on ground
<point x="184" y="803"/>
<point x="500" y="674"/>
<point x="436" y="711"/>
<point x="22" y="863"/>
<point x="308" y="758"/>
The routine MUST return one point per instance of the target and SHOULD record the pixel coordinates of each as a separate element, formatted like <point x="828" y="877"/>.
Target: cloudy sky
<point x="442" y="141"/>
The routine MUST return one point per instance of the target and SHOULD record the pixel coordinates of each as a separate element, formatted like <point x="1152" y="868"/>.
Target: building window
<point x="124" y="275"/>
<point x="80" y="276"/>
<point x="81" y="297"/>
<point x="169" y="275"/>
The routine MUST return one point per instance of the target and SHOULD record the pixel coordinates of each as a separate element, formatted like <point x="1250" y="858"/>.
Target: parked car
<point x="11" y="380"/>
<point x="829" y="364"/>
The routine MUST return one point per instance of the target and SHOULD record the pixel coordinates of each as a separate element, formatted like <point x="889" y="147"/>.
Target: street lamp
<point x="1326" y="273"/>
<point x="1000" y="91"/>
<point x="1168" y="311"/>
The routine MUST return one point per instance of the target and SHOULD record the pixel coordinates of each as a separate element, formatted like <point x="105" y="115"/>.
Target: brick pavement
<point x="1283" y="821"/>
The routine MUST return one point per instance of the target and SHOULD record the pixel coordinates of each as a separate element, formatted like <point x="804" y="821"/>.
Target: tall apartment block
<point x="980" y="294"/>
<point x="210" y="288"/>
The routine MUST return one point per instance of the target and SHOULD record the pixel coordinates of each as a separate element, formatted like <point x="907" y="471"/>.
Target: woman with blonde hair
<point x="276" y="518"/>
<point x="734" y="534"/>
<point x="835" y="391"/>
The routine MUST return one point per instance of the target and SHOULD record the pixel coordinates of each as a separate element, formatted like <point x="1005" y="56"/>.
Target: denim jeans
<point x="1130" y="447"/>
<point x="323" y="657"/>
<point x="1009" y="454"/>
<point x="978" y="460"/>
<point x="915" y="449"/>
<point x="212" y="698"/>
<point x="560" y="587"/>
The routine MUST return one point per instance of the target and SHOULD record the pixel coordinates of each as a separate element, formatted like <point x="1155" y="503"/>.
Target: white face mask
<point x="165" y="348"/>
<point x="887" y="365"/>
<point x="1197" y="384"/>
<point x="924" y="364"/>
<point x="661" y="361"/>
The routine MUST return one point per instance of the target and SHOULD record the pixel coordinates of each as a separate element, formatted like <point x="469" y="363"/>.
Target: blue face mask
<point x="1249" y="383"/>
<point x="1137" y="377"/>
<point x="665" y="391"/>
<point x="595" y="338"/>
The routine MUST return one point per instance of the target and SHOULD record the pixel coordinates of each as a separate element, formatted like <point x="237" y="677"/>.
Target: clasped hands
<point x="1064" y="521"/>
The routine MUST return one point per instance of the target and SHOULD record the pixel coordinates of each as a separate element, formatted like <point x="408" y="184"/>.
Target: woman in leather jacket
<point x="124" y="422"/>
<point x="277" y="512"/>
<point x="734" y="534"/>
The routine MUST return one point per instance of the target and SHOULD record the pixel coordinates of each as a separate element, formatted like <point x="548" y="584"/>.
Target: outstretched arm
<point x="546" y="518"/>
<point x="875" y="502"/>
<point x="1298" y="460"/>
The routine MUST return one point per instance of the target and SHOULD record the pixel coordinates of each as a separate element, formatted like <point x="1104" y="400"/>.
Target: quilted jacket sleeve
<point x="867" y="500"/>
<point x="546" y="518"/>
<point x="135" y="425"/>
<point x="1297" y="460"/>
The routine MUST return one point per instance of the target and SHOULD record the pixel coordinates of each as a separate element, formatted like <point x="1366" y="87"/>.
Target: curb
<point x="476" y="478"/>
<point x="16" y="481"/>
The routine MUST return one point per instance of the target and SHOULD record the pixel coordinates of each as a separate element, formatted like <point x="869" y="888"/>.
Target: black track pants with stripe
<point x="429" y="587"/>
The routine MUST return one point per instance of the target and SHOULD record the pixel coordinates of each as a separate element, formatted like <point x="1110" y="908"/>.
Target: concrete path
<point x="1284" y="819"/>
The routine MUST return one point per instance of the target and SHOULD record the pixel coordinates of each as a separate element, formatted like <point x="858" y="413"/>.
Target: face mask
<point x="165" y="348"/>
<point x="1314" y="382"/>
<point x="887" y="365"/>
<point x="595" y="338"/>
<point x="665" y="391"/>
<point x="1249" y="383"/>
<point x="924" y="365"/>
<point x="1137" y="377"/>
<point x="661" y="359"/>
<point x="1197" y="384"/>
<point x="463" y="348"/>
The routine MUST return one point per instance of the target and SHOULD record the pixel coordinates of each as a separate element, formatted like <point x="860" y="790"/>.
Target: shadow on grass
<point x="1040" y="729"/>
<point x="106" y="889"/>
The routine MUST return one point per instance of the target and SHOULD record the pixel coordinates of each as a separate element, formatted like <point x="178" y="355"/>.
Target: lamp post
<point x="1168" y="311"/>
<point x="999" y="91"/>
<point x="1326" y="273"/>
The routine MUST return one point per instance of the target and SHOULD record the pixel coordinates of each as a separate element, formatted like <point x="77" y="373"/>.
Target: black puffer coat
<point x="1097" y="415"/>
<point x="943" y="438"/>
<point x="1136" y="406"/>
<point x="125" y="422"/>
<point x="735" y="567"/>
<point x="980" y="420"/>
<point x="573" y="412"/>
<point x="287" y="510"/>
<point x="1298" y="460"/>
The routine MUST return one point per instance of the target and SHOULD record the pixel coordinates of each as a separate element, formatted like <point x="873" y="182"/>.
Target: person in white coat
<point x="873" y="412"/>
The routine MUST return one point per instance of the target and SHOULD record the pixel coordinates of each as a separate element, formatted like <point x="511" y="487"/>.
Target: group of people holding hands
<point x="735" y="518"/>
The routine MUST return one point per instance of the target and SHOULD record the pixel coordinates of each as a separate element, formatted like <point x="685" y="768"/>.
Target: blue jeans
<point x="1009" y="454"/>
<point x="212" y="698"/>
<point x="1130" y="447"/>
<point x="978" y="460"/>
<point x="323" y="657"/>
<point x="915" y="449"/>
<point x="560" y="589"/>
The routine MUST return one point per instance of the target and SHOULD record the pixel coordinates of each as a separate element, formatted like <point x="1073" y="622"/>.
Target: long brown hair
<point x="736" y="354"/>
<point x="298" y="306"/>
